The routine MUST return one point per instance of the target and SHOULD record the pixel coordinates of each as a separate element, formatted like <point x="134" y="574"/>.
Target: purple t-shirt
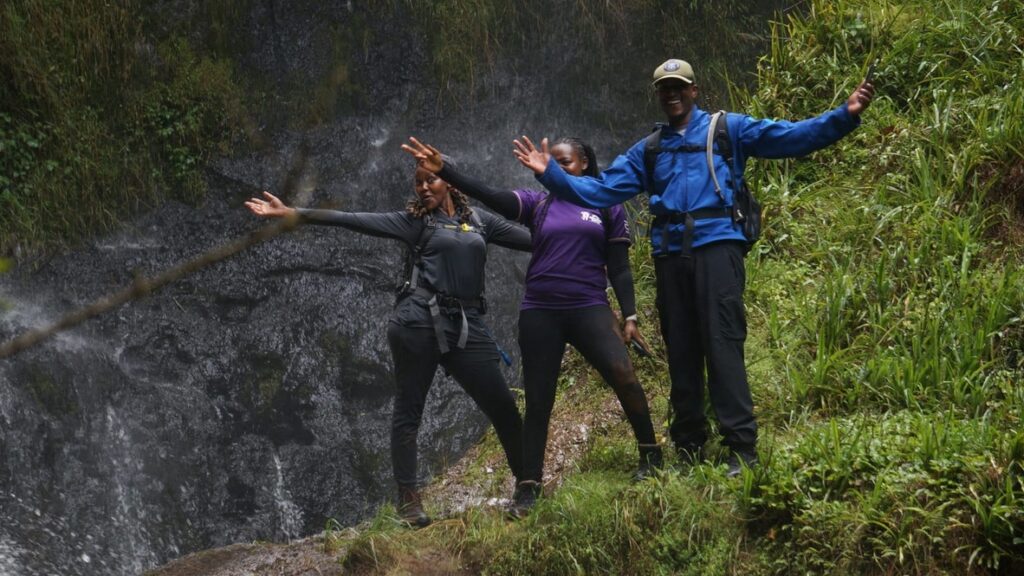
<point x="570" y="251"/>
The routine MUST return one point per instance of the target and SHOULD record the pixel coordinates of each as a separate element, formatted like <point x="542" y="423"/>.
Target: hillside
<point x="885" y="350"/>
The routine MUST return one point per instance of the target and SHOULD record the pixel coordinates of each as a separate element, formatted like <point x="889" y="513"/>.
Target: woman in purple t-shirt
<point x="576" y="252"/>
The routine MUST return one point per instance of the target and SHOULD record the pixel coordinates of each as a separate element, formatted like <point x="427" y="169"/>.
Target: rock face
<point x="251" y="400"/>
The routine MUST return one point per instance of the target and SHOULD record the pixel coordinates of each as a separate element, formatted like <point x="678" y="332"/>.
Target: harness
<point x="744" y="211"/>
<point x="438" y="302"/>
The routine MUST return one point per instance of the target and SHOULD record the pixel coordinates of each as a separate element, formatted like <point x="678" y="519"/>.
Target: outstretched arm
<point x="269" y="206"/>
<point x="386" y="224"/>
<point x="620" y="182"/>
<point x="784" y="139"/>
<point x="504" y="202"/>
<point x="502" y="232"/>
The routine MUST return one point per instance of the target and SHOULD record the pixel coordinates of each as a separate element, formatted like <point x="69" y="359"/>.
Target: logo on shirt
<point x="590" y="217"/>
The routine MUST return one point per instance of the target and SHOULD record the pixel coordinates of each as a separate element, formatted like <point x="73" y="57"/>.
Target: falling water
<point x="291" y="515"/>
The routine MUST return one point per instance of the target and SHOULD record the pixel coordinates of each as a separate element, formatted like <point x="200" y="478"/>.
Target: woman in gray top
<point x="437" y="318"/>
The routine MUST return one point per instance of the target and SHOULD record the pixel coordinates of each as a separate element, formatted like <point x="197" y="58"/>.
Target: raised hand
<point x="861" y="98"/>
<point x="272" y="207"/>
<point x="529" y="156"/>
<point x="426" y="155"/>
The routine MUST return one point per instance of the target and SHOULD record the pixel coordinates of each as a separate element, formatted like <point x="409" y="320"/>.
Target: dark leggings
<point x="474" y="367"/>
<point x="543" y="335"/>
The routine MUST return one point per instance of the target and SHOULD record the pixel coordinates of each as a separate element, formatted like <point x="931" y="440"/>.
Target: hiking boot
<point x="650" y="462"/>
<point x="690" y="455"/>
<point x="740" y="459"/>
<point x="524" y="498"/>
<point x="410" y="508"/>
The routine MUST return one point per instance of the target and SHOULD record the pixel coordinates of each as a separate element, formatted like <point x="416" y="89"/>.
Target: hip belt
<point x="688" y="219"/>
<point x="439" y="303"/>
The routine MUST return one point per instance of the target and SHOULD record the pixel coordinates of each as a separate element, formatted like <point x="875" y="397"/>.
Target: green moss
<point x="265" y="384"/>
<point x="95" y="126"/>
<point x="339" y="90"/>
<point x="56" y="399"/>
<point x="190" y="117"/>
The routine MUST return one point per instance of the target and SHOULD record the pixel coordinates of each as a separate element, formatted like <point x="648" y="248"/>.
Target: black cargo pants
<point x="700" y="303"/>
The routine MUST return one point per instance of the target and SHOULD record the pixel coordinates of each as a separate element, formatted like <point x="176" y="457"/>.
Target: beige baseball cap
<point x="677" y="69"/>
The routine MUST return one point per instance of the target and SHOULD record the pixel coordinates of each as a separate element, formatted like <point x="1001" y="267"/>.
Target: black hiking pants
<point x="475" y="368"/>
<point x="700" y="303"/>
<point x="543" y="335"/>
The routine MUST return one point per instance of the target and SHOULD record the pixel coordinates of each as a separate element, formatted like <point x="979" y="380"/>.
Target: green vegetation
<point x="265" y="386"/>
<point x="99" y="119"/>
<point x="58" y="401"/>
<point x="468" y="38"/>
<point x="885" y="351"/>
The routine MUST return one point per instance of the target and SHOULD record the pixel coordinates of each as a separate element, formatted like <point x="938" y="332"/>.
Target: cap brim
<point x="671" y="77"/>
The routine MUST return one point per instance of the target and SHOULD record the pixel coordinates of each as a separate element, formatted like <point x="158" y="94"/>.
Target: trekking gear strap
<point x="689" y="220"/>
<point x="713" y="136"/>
<point x="435" y="301"/>
<point x="652" y="148"/>
<point x="416" y="253"/>
<point x="435" y="317"/>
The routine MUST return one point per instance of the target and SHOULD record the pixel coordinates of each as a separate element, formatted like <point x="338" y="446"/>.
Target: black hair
<point x="462" y="208"/>
<point x="583" y="150"/>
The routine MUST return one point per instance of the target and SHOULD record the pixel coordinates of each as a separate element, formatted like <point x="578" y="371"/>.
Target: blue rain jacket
<point x="682" y="182"/>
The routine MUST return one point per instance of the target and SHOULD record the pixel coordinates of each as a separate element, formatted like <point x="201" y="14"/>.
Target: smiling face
<point x="676" y="98"/>
<point x="570" y="161"/>
<point x="432" y="191"/>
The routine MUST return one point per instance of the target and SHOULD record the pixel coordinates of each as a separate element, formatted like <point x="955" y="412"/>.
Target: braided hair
<point x="583" y="150"/>
<point x="463" y="210"/>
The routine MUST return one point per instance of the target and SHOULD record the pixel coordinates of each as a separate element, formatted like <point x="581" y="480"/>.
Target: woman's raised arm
<point x="504" y="202"/>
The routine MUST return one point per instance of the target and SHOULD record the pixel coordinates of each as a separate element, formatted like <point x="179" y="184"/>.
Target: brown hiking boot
<point x="410" y="508"/>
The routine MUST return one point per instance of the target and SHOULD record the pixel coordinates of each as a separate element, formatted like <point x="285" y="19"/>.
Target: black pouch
<point x="746" y="213"/>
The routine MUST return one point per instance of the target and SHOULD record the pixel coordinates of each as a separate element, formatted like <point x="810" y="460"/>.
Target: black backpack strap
<point x="478" y="223"/>
<point x="652" y="147"/>
<point x="718" y="133"/>
<point x="723" y="140"/>
<point x="412" y="268"/>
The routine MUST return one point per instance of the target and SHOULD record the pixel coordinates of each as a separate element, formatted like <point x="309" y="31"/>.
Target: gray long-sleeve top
<point x="451" y="262"/>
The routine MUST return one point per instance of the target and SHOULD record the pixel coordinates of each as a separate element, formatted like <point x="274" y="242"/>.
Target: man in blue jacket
<point x="698" y="245"/>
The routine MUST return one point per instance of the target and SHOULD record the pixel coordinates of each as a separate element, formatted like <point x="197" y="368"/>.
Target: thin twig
<point x="143" y="286"/>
